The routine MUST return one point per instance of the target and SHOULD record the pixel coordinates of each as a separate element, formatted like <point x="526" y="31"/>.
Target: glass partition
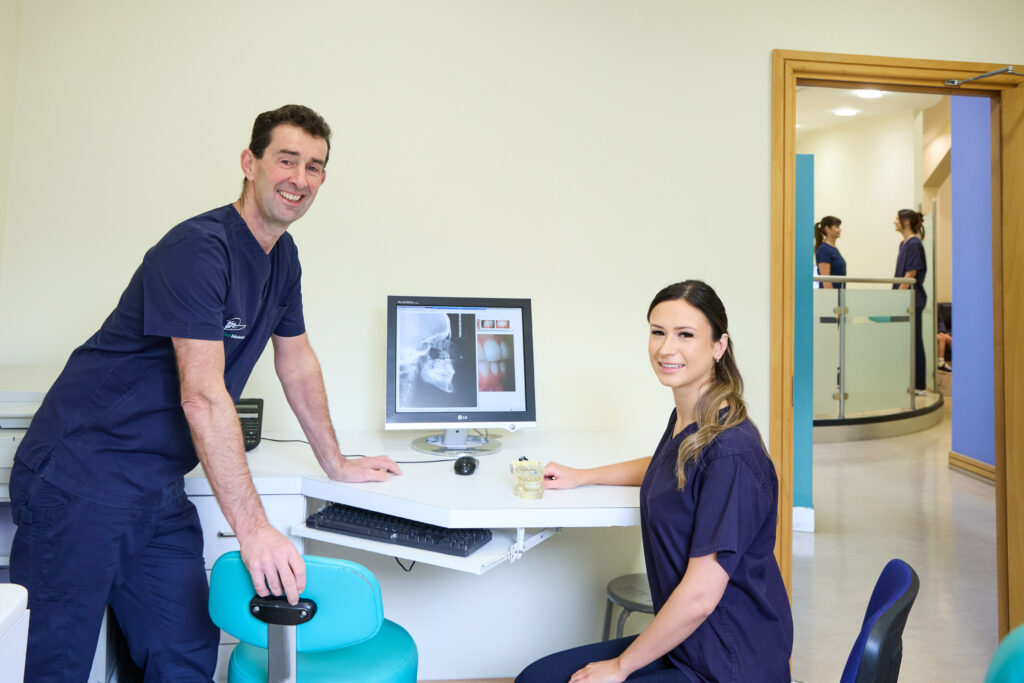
<point x="928" y="314"/>
<point x="878" y="350"/>
<point x="864" y="349"/>
<point x="826" y="353"/>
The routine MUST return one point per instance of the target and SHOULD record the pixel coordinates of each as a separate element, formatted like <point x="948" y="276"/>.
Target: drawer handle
<point x="221" y="534"/>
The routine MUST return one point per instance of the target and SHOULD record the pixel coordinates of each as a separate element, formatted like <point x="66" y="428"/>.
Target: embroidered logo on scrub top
<point x="233" y="326"/>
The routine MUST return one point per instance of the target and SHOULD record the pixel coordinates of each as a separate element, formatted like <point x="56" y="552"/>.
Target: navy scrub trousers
<point x="147" y="564"/>
<point x="560" y="666"/>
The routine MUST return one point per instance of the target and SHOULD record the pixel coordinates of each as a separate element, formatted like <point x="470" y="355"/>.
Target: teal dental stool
<point x="1007" y="665"/>
<point x="337" y="632"/>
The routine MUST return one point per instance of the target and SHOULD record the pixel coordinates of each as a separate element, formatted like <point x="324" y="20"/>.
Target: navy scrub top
<point x="727" y="506"/>
<point x="826" y="253"/>
<point x="911" y="257"/>
<point x="111" y="428"/>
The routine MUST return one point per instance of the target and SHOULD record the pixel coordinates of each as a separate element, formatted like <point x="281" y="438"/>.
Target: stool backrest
<point x="349" y="608"/>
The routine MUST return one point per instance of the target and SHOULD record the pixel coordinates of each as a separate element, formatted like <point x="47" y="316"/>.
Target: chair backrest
<point x="349" y="608"/>
<point x="1007" y="665"/>
<point x="878" y="651"/>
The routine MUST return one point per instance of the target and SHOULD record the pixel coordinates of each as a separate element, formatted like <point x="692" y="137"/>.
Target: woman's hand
<point x="558" y="476"/>
<point x="607" y="671"/>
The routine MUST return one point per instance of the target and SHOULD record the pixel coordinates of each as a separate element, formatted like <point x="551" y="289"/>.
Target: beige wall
<point x="580" y="153"/>
<point x="864" y="173"/>
<point x="9" y="22"/>
<point x="938" y="186"/>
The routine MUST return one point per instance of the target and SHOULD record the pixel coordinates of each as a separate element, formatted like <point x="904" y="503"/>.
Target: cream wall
<point x="864" y="173"/>
<point x="938" y="187"/>
<point x="9" y="15"/>
<point x="579" y="153"/>
<point x="944" y="241"/>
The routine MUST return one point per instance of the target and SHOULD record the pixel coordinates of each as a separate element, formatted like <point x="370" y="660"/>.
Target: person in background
<point x="944" y="337"/>
<point x="826" y="254"/>
<point x="708" y="509"/>
<point x="97" y="487"/>
<point x="911" y="263"/>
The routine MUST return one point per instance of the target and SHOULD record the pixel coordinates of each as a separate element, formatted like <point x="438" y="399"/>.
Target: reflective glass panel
<point x="878" y="350"/>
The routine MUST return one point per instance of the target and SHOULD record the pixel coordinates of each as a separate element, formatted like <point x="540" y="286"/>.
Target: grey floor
<point x="897" y="497"/>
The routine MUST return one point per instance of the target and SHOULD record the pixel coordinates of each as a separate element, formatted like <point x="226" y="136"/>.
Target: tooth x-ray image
<point x="436" y="360"/>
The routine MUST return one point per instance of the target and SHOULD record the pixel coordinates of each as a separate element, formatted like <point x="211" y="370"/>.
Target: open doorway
<point x="896" y="496"/>
<point x="793" y="68"/>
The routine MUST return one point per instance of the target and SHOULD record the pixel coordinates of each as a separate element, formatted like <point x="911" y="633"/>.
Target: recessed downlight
<point x="868" y="94"/>
<point x="845" y="111"/>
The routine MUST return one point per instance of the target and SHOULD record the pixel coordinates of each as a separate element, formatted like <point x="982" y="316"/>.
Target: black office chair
<point x="878" y="651"/>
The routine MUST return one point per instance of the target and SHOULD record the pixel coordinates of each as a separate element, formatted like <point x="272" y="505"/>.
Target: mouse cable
<point x="363" y="455"/>
<point x="403" y="566"/>
<point x="402" y="462"/>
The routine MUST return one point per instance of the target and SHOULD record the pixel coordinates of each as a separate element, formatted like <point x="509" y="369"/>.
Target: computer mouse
<point x="466" y="465"/>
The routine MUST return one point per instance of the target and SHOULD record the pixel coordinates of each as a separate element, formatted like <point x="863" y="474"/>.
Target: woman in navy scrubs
<point x="826" y="254"/>
<point x="911" y="262"/>
<point x="708" y="507"/>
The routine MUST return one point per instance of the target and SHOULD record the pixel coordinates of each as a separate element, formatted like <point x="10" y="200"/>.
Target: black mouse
<point x="466" y="465"/>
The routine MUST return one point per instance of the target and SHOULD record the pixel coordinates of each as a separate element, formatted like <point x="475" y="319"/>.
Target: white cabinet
<point x="7" y="529"/>
<point x="282" y="512"/>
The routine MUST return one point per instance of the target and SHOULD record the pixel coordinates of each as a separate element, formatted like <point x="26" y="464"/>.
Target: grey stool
<point x="632" y="593"/>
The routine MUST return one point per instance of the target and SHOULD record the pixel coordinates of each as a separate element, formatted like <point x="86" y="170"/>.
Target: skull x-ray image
<point x="436" y="360"/>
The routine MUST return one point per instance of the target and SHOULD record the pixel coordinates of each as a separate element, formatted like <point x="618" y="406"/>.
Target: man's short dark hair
<point x="292" y="115"/>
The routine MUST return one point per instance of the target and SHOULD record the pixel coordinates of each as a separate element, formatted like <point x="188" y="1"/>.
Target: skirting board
<point x="803" y="519"/>
<point x="968" y="465"/>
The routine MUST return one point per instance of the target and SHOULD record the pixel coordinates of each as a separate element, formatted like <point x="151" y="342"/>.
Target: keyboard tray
<point x="384" y="528"/>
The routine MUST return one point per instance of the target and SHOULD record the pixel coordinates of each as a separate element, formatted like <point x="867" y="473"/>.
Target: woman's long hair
<point x="819" y="229"/>
<point x="727" y="384"/>
<point x="914" y="219"/>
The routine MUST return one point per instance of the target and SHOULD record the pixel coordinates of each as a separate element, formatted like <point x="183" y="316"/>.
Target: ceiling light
<point x="846" y="111"/>
<point x="868" y="94"/>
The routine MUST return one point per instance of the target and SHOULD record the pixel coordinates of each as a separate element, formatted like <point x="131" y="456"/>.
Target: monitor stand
<point x="455" y="441"/>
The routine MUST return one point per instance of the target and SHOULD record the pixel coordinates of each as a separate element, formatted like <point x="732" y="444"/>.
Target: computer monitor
<point x="459" y="364"/>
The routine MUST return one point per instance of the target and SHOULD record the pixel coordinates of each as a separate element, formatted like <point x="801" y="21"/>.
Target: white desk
<point x="469" y="626"/>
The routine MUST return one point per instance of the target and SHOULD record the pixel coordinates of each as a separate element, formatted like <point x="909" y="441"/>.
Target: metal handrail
<point x="868" y="280"/>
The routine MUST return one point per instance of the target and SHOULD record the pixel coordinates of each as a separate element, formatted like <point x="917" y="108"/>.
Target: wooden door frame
<point x="1007" y="95"/>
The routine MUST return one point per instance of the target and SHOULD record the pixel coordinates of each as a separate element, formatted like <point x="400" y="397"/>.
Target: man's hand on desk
<point x="558" y="476"/>
<point x="273" y="562"/>
<point x="375" y="468"/>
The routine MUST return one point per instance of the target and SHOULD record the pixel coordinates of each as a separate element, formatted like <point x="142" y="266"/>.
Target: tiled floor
<point x="897" y="497"/>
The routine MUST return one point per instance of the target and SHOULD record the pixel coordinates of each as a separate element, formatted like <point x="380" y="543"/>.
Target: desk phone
<point x="250" y="414"/>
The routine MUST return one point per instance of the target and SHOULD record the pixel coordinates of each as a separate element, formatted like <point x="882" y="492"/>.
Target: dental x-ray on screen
<point x="459" y="363"/>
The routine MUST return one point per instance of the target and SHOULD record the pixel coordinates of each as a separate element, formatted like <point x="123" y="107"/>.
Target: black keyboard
<point x="377" y="526"/>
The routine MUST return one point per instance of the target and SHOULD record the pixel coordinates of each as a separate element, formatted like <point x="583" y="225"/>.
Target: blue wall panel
<point x="973" y="390"/>
<point x="803" y="344"/>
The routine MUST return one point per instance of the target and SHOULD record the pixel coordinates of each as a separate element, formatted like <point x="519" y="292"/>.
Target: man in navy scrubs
<point x="97" y="485"/>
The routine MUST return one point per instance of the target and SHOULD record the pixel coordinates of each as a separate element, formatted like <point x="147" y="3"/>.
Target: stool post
<point x="281" y="658"/>
<point x="606" y="632"/>
<point x="622" y="622"/>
